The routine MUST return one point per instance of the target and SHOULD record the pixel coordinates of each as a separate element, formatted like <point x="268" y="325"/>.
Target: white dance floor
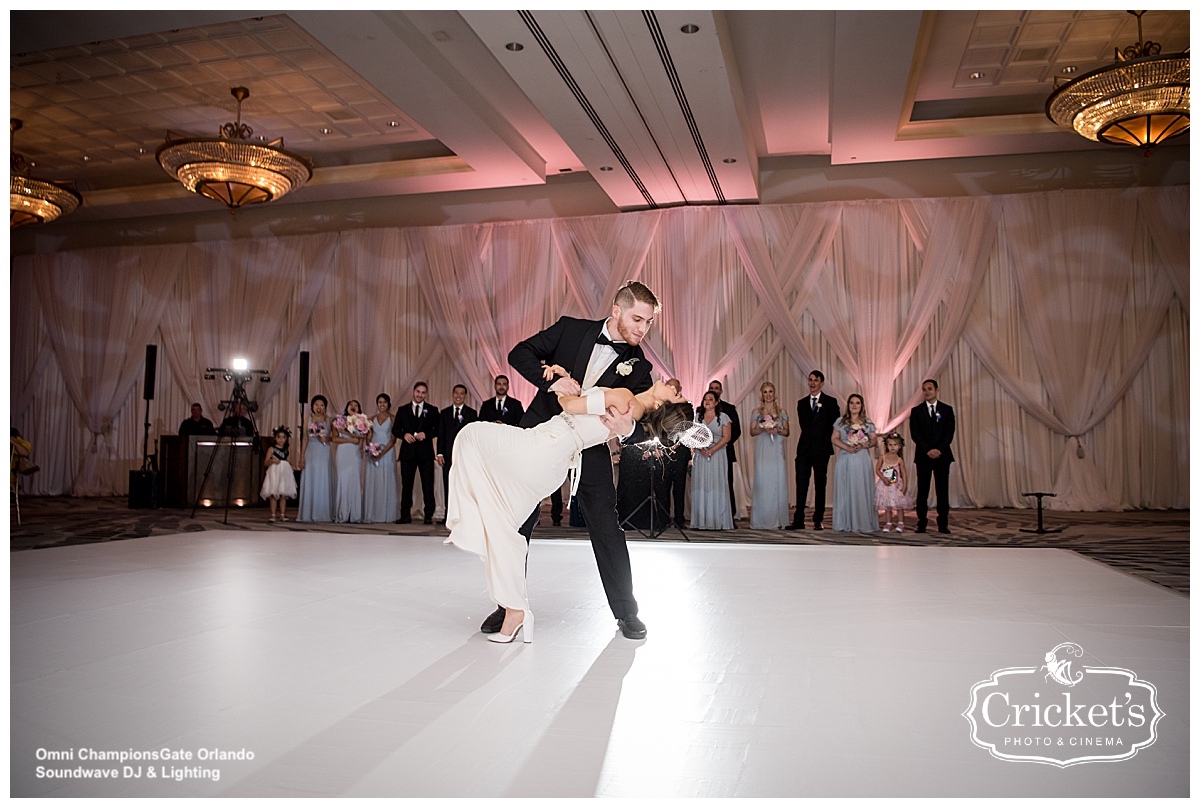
<point x="351" y="665"/>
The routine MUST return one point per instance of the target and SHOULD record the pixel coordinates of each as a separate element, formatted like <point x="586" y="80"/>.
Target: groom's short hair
<point x="635" y="292"/>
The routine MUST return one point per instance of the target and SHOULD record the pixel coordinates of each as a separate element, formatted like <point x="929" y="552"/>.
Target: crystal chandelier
<point x="34" y="201"/>
<point x="1142" y="99"/>
<point x="231" y="168"/>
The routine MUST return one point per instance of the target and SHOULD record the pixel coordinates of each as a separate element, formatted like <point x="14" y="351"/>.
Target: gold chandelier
<point x="34" y="201"/>
<point x="231" y="168"/>
<point x="1142" y="99"/>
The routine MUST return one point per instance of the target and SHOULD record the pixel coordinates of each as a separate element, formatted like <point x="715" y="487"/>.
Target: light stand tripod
<point x="240" y="408"/>
<point x="665" y="458"/>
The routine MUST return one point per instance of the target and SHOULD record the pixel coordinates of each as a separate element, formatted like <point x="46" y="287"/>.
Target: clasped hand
<point x="565" y="386"/>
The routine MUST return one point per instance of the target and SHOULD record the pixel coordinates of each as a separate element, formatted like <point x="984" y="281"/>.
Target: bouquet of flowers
<point x="375" y="450"/>
<point x="858" y="437"/>
<point x="339" y="422"/>
<point x="316" y="429"/>
<point x="358" y="425"/>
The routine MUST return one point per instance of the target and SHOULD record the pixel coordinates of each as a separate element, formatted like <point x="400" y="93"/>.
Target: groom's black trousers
<point x="597" y="496"/>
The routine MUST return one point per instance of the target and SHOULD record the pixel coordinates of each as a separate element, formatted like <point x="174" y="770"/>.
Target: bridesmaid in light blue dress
<point x="316" y="466"/>
<point x="854" y="475"/>
<point x="769" y="426"/>
<point x="380" y="500"/>
<point x="711" y="509"/>
<point x="349" y="462"/>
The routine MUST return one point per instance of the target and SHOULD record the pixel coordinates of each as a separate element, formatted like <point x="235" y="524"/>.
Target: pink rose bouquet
<point x="358" y="425"/>
<point x="858" y="437"/>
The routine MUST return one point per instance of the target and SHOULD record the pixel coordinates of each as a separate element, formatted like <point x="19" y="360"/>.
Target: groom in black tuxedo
<point x="815" y="414"/>
<point x="597" y="353"/>
<point x="931" y="425"/>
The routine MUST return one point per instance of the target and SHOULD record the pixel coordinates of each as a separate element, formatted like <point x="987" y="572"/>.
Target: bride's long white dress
<point x="500" y="474"/>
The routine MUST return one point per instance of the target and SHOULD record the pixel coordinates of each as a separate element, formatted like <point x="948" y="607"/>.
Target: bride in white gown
<point x="501" y="473"/>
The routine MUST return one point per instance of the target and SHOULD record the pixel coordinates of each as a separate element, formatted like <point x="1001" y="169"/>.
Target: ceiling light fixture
<point x="514" y="47"/>
<point x="1142" y="99"/>
<point x="978" y="74"/>
<point x="689" y="28"/>
<point x="34" y="201"/>
<point x="231" y="169"/>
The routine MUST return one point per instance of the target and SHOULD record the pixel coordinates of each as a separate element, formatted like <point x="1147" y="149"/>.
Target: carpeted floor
<point x="1152" y="545"/>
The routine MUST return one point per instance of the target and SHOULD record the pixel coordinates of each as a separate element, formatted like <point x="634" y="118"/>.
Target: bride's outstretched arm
<point x="601" y="399"/>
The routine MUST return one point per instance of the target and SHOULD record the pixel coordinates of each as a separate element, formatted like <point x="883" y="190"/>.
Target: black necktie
<point x="814" y="403"/>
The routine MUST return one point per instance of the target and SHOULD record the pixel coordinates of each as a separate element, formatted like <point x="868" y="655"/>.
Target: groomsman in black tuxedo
<point x="452" y="420"/>
<point x="597" y="353"/>
<point x="503" y="409"/>
<point x="931" y="426"/>
<point x="674" y="483"/>
<point x="415" y="429"/>
<point x="735" y="424"/>
<point x="816" y="415"/>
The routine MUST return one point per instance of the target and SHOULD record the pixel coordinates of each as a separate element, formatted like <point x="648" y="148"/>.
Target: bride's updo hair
<point x="669" y="422"/>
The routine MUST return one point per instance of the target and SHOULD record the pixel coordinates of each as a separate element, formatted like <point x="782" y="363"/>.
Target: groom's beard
<point x="626" y="333"/>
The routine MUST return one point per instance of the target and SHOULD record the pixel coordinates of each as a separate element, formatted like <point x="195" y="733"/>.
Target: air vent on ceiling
<point x="1031" y="54"/>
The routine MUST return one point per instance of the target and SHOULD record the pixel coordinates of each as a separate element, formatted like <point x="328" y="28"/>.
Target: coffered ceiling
<point x="660" y="108"/>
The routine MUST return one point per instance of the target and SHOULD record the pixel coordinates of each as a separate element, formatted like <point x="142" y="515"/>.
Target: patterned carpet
<point x="1152" y="545"/>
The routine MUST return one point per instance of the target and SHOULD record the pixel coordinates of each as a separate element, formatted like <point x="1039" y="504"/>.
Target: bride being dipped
<point x="501" y="473"/>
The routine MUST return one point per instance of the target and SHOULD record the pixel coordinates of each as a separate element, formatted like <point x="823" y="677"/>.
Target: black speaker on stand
<point x="143" y="485"/>
<point x="301" y="431"/>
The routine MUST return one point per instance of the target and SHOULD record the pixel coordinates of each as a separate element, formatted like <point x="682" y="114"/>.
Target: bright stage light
<point x="240" y="364"/>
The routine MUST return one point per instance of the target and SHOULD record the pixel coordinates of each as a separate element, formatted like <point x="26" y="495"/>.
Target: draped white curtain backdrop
<point x="1057" y="324"/>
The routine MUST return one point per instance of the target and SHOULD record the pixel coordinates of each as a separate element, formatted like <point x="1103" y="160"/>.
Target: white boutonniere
<point x="626" y="367"/>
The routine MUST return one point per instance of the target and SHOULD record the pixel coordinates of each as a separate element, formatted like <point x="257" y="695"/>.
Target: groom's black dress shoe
<point x="794" y="526"/>
<point x="494" y="621"/>
<point x="632" y="628"/>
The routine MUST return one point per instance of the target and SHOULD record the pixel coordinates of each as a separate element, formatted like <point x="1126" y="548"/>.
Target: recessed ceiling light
<point x="392" y="123"/>
<point x="325" y="130"/>
<point x="86" y="158"/>
<point x="729" y="160"/>
<point x="978" y="74"/>
<point x="606" y="168"/>
<point x="689" y="28"/>
<point x="1069" y="69"/>
<point x="141" y="150"/>
<point x="514" y="47"/>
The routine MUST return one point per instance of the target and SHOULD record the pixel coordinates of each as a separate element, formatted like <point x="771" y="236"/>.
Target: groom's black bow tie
<point x="617" y="346"/>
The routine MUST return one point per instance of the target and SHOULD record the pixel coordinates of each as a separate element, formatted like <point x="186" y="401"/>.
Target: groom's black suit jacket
<point x="569" y="342"/>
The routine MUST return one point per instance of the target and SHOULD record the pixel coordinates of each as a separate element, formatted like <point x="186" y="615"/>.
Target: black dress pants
<point x="597" y="498"/>
<point x="408" y="474"/>
<point x="940" y="471"/>
<point x="816" y="468"/>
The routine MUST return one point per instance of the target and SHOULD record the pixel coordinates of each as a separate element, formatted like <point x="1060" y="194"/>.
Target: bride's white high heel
<point x="525" y="627"/>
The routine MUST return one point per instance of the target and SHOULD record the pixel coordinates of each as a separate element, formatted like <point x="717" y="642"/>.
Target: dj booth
<point x="232" y="464"/>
